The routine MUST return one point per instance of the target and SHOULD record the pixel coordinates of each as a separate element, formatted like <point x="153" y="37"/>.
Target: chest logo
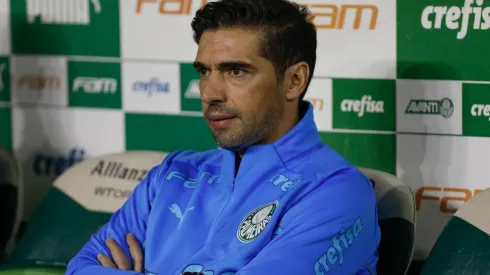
<point x="255" y="222"/>
<point x="178" y="213"/>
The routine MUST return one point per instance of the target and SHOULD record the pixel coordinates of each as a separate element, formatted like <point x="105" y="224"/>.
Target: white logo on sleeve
<point x="178" y="213"/>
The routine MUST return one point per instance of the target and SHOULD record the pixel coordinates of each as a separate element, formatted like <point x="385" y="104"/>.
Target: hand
<point x="120" y="259"/>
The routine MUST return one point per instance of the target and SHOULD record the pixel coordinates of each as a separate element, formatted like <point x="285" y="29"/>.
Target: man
<point x="273" y="199"/>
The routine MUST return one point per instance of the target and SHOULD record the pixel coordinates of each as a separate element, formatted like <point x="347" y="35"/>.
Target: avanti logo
<point x="46" y="164"/>
<point x="39" y="82"/>
<point x="72" y="12"/>
<point x="443" y="107"/>
<point x="95" y="85"/>
<point x="365" y="105"/>
<point x="154" y="86"/>
<point x="457" y="18"/>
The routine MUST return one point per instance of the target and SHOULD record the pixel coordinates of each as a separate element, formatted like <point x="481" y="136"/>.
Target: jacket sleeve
<point x="332" y="230"/>
<point x="132" y="218"/>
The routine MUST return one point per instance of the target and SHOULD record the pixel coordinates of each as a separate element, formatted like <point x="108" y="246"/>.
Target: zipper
<point x="213" y="227"/>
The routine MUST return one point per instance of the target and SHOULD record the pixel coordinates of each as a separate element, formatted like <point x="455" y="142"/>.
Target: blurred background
<point x="402" y="92"/>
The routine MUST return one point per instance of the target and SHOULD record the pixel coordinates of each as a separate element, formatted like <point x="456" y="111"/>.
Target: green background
<point x="379" y="90"/>
<point x="5" y="94"/>
<point x="188" y="73"/>
<point x="94" y="69"/>
<point x="475" y="94"/>
<point x="99" y="38"/>
<point x="437" y="53"/>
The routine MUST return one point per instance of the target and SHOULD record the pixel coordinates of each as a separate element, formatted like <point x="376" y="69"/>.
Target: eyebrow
<point x="226" y="65"/>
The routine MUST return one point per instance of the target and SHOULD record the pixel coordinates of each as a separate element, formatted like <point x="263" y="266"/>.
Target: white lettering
<point x="480" y="110"/>
<point x="486" y="110"/>
<point x="346" y="105"/>
<point x="457" y="18"/>
<point x="95" y="85"/>
<point x="69" y="12"/>
<point x="423" y="107"/>
<point x="473" y="110"/>
<point x="192" y="91"/>
<point x="365" y="105"/>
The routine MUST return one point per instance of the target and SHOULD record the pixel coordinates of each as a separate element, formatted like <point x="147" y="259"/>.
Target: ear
<point x="296" y="80"/>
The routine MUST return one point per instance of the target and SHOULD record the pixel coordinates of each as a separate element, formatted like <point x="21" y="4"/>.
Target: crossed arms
<point x="322" y="234"/>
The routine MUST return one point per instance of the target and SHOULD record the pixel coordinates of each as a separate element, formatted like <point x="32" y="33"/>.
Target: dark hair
<point x="288" y="34"/>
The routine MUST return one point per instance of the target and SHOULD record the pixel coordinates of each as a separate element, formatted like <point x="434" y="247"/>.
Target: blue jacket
<point x="295" y="207"/>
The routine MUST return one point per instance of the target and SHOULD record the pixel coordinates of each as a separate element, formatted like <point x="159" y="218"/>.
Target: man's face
<point x="242" y="101"/>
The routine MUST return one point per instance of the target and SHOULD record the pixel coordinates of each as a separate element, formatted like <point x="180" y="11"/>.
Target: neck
<point x="292" y="115"/>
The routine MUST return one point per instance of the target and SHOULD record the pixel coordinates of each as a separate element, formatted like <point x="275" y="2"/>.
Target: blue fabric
<point x="294" y="207"/>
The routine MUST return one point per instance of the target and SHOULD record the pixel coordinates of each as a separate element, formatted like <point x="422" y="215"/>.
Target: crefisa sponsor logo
<point x="480" y="110"/>
<point x="47" y="164"/>
<point x="152" y="87"/>
<point x="460" y="19"/>
<point x="365" y="105"/>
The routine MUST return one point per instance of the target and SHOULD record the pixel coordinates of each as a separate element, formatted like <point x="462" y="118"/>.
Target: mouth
<point x="220" y="120"/>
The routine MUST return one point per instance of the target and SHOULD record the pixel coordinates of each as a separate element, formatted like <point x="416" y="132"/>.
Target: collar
<point x="301" y="138"/>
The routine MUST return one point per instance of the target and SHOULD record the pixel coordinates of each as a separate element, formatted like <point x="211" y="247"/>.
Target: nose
<point x="213" y="89"/>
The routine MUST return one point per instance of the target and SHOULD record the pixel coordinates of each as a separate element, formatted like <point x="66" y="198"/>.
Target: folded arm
<point x="332" y="230"/>
<point x="131" y="218"/>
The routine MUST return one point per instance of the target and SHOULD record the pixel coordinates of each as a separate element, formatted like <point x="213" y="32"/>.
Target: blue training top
<point x="295" y="207"/>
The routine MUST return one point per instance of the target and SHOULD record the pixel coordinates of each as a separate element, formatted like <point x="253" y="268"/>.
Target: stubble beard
<point x="249" y="135"/>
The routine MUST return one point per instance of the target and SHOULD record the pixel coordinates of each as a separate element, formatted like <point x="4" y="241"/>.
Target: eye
<point x="202" y="72"/>
<point x="238" y="72"/>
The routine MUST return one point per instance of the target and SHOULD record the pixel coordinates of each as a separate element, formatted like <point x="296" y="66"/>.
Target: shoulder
<point x="340" y="197"/>
<point x="337" y="181"/>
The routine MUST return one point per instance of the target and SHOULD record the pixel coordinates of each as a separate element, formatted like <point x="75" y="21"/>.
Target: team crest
<point x="255" y="222"/>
